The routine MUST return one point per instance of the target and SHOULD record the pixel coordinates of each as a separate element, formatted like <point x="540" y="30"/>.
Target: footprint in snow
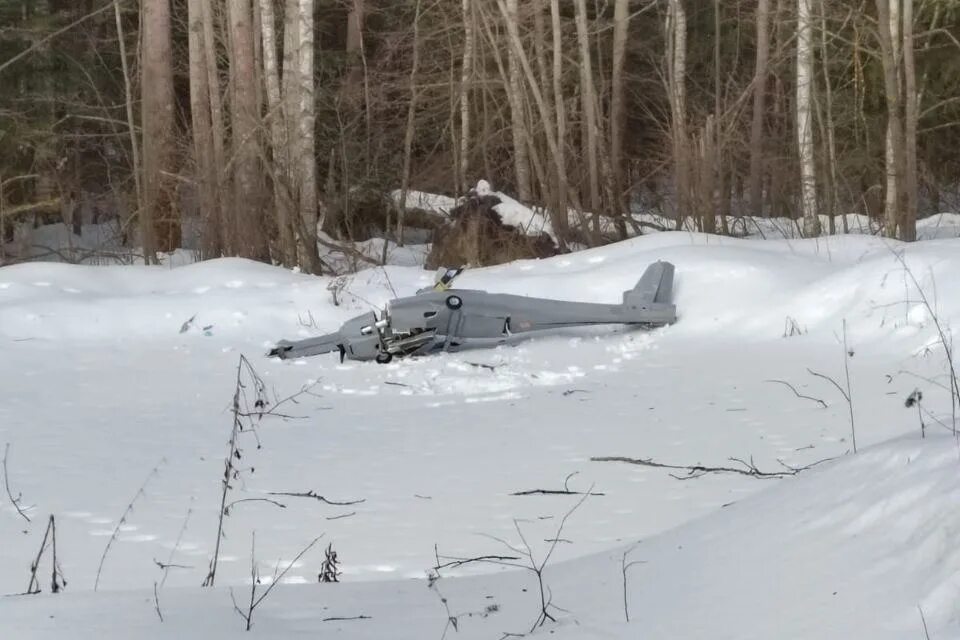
<point x="140" y="537"/>
<point x="70" y="290"/>
<point x="41" y="284"/>
<point x="200" y="290"/>
<point x="233" y="284"/>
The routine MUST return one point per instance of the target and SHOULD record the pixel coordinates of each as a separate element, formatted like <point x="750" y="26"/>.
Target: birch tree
<point x="804" y="125"/>
<point x="279" y="138"/>
<point x="888" y="29"/>
<point x="306" y="149"/>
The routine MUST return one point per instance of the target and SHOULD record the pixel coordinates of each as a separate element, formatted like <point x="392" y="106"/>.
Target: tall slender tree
<point x="804" y="79"/>
<point x="159" y="221"/>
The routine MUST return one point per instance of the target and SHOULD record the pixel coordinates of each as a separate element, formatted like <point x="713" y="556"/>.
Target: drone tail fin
<point x="655" y="285"/>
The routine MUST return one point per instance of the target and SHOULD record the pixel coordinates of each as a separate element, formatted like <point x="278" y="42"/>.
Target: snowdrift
<point x="109" y="372"/>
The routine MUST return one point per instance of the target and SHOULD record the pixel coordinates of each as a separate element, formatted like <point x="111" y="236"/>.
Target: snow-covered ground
<point x="118" y="384"/>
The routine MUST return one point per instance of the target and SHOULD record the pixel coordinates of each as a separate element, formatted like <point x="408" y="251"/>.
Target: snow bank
<point x="109" y="370"/>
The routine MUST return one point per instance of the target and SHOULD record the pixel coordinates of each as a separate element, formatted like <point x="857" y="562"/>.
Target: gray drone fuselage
<point x="455" y="319"/>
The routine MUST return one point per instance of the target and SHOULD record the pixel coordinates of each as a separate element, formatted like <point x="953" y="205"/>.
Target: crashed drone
<point x="441" y="318"/>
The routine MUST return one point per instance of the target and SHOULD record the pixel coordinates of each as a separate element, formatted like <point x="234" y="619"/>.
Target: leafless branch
<point x="6" y="485"/>
<point x="123" y="519"/>
<point x="316" y="496"/>
<point x="697" y="470"/>
<point x="156" y="601"/>
<point x="797" y="393"/>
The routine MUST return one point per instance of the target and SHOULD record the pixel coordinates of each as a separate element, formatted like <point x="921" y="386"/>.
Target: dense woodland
<point x="241" y="127"/>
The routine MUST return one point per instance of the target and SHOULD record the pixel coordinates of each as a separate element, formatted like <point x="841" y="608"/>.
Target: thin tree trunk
<point x="888" y="33"/>
<point x="560" y="219"/>
<point x="306" y="157"/>
<point x="676" y="81"/>
<point x="203" y="133"/>
<point x="276" y="120"/>
<point x="908" y="221"/>
<point x="713" y="150"/>
<point x="618" y="113"/>
<point x="128" y="103"/>
<point x="759" y="108"/>
<point x="521" y="157"/>
<point x="588" y="104"/>
<point x="159" y="224"/>
<point x="216" y="122"/>
<point x="466" y="77"/>
<point x="808" y="176"/>
<point x="831" y="136"/>
<point x="410" y="129"/>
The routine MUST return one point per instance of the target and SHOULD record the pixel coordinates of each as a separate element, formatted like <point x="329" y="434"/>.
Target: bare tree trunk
<point x="713" y="150"/>
<point x="808" y="176"/>
<point x="888" y="31"/>
<point x="561" y="218"/>
<point x="759" y="108"/>
<point x="908" y="220"/>
<point x="306" y="148"/>
<point x="250" y="236"/>
<point x="466" y="77"/>
<point x="618" y="113"/>
<point x="676" y="29"/>
<point x="216" y="123"/>
<point x="589" y="102"/>
<point x="521" y="157"/>
<point x="410" y="129"/>
<point x="128" y="100"/>
<point x="159" y="223"/>
<point x="202" y="125"/>
<point x="279" y="140"/>
<point x="831" y="136"/>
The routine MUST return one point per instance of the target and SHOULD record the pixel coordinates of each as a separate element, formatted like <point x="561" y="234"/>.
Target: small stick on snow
<point x="698" y="470"/>
<point x="316" y="496"/>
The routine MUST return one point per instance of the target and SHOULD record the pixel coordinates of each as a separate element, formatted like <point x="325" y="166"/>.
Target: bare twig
<point x="156" y="601"/>
<point x="123" y="519"/>
<point x="831" y="381"/>
<point x="6" y="484"/>
<point x="926" y="632"/>
<point x="624" y="567"/>
<point x="255" y="580"/>
<point x="453" y="563"/>
<point x="247" y="411"/>
<point x="165" y="567"/>
<point x="946" y="342"/>
<point x="342" y="619"/>
<point x="273" y="502"/>
<point x="797" y="393"/>
<point x="697" y="470"/>
<point x="57" y="582"/>
<point x="316" y="496"/>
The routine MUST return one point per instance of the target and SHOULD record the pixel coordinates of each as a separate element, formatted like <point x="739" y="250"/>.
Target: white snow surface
<point x="109" y="372"/>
